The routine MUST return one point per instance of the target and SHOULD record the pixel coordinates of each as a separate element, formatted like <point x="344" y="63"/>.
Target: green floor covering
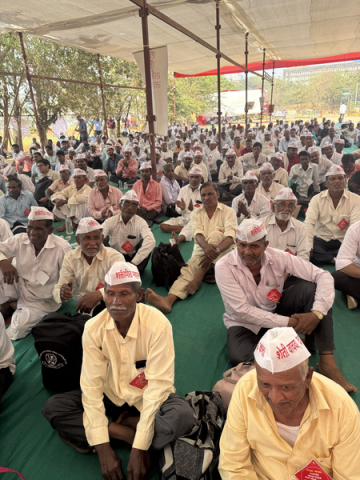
<point x="30" y="446"/>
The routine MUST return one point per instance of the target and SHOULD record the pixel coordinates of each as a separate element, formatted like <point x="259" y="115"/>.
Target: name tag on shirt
<point x="148" y="196"/>
<point x="312" y="471"/>
<point x="343" y="224"/>
<point x="274" y="295"/>
<point x="99" y="286"/>
<point x="139" y="381"/>
<point x="26" y="212"/>
<point x="289" y="251"/>
<point x="309" y="182"/>
<point x="42" y="277"/>
<point x="128" y="246"/>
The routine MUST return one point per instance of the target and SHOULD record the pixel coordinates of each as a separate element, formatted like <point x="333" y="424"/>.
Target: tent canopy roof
<point x="289" y="30"/>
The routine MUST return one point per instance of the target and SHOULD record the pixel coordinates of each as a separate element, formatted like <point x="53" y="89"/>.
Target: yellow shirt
<point x="109" y="367"/>
<point x="73" y="195"/>
<point x="322" y="219"/>
<point x="224" y="220"/>
<point x="251" y="448"/>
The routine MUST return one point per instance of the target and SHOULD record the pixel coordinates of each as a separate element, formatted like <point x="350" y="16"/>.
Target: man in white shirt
<point x="253" y="160"/>
<point x="267" y="186"/>
<point x="251" y="280"/>
<point x="27" y="289"/>
<point x="304" y="179"/>
<point x="329" y="215"/>
<point x="7" y="359"/>
<point x="268" y="145"/>
<point x="283" y="144"/>
<point x="347" y="274"/>
<point x="187" y="145"/>
<point x="285" y="232"/>
<point x="83" y="271"/>
<point x="328" y="151"/>
<point x="130" y="234"/>
<point x="230" y="175"/>
<point x="166" y="155"/>
<point x="189" y="198"/>
<point x="322" y="163"/>
<point x="331" y="138"/>
<point x="250" y="203"/>
<point x="214" y="160"/>
<point x="81" y="163"/>
<point x="170" y="191"/>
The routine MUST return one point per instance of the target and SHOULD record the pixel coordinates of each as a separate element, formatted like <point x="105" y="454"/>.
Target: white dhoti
<point x="24" y="318"/>
<point x="75" y="212"/>
<point x="184" y="222"/>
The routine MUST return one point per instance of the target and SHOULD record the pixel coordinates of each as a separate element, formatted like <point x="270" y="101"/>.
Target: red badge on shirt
<point x="197" y="205"/>
<point x="26" y="212"/>
<point x="139" y="381"/>
<point x="148" y="196"/>
<point x="160" y="173"/>
<point x="289" y="251"/>
<point x="274" y="295"/>
<point x="270" y="144"/>
<point x="128" y="246"/>
<point x="99" y="286"/>
<point x="343" y="224"/>
<point x="312" y="471"/>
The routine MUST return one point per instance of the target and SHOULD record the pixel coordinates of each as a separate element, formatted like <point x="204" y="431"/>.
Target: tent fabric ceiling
<point x="289" y="30"/>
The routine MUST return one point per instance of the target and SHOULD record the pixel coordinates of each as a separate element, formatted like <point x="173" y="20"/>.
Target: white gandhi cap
<point x="285" y="194"/>
<point x="280" y="349"/>
<point x="40" y="213"/>
<point x="88" y="224"/>
<point x="122" y="272"/>
<point x="250" y="230"/>
<point x="130" y="195"/>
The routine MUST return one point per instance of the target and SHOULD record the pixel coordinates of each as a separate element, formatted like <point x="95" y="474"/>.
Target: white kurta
<point x="350" y="248"/>
<point x="259" y="207"/>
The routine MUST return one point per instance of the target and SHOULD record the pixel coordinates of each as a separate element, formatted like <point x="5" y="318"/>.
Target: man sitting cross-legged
<point x="250" y="203"/>
<point x="72" y="201"/>
<point x="329" y="215"/>
<point x="83" y="271"/>
<point x="127" y="382"/>
<point x="287" y="422"/>
<point x="257" y="297"/>
<point x="103" y="199"/>
<point x="188" y="200"/>
<point x="130" y="234"/>
<point x="214" y="226"/>
<point x="285" y="232"/>
<point x="267" y="186"/>
<point x="149" y="194"/>
<point x="39" y="255"/>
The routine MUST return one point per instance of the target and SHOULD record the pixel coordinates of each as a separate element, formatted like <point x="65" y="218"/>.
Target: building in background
<point x="302" y="74"/>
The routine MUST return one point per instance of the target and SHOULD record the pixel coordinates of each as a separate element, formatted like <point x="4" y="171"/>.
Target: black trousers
<point x="64" y="412"/>
<point x="18" y="228"/>
<point x="297" y="297"/>
<point x="5" y="380"/>
<point x="142" y="265"/>
<point x="148" y="216"/>
<point x="347" y="285"/>
<point x="324" y="252"/>
<point x="116" y="178"/>
<point x="226" y="190"/>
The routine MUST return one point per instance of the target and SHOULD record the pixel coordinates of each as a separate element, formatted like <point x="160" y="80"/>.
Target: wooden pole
<point x="262" y="86"/>
<point x="246" y="79"/>
<point x="174" y="99"/>
<point x="102" y="94"/>
<point x="28" y="77"/>
<point x="218" y="57"/>
<point x="272" y="89"/>
<point x="144" y="13"/>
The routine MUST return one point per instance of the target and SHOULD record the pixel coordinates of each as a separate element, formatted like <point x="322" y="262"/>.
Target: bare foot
<point x="332" y="371"/>
<point x="157" y="301"/>
<point x="180" y="239"/>
<point x="174" y="235"/>
<point x="61" y="229"/>
<point x="192" y="286"/>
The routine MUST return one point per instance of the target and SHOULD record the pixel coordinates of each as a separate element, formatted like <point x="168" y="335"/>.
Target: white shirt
<point x="167" y="154"/>
<point x="28" y="265"/>
<point x="246" y="304"/>
<point x="259" y="207"/>
<point x="7" y="359"/>
<point x="350" y="248"/>
<point x="323" y="167"/>
<point x="186" y="193"/>
<point x="125" y="237"/>
<point x="268" y="147"/>
<point x="305" y="179"/>
<point x="236" y="170"/>
<point x="293" y="238"/>
<point x="287" y="433"/>
<point x="336" y="158"/>
<point x="86" y="277"/>
<point x="273" y="191"/>
<point x="5" y="231"/>
<point x="249" y="161"/>
<point x="170" y="192"/>
<point x="328" y="139"/>
<point x="322" y="218"/>
<point x="214" y="156"/>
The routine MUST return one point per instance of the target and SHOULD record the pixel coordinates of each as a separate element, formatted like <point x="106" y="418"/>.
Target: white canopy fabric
<point x="288" y="29"/>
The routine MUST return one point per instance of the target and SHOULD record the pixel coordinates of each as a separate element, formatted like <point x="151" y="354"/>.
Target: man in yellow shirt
<point x="283" y="417"/>
<point x="127" y="382"/>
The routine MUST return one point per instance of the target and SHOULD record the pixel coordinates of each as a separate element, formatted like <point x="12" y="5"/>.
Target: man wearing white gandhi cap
<point x="26" y="291"/>
<point x="127" y="381"/>
<point x="251" y="280"/>
<point x="287" y="422"/>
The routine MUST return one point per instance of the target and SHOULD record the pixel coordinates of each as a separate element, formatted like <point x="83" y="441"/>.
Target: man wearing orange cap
<point x="127" y="382"/>
<point x="286" y="421"/>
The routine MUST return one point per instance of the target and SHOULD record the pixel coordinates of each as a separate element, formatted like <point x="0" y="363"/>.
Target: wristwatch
<point x="318" y="314"/>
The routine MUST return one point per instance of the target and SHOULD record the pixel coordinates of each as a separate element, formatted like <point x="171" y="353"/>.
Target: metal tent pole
<point x="262" y="86"/>
<point x="272" y="88"/>
<point x="218" y="57"/>
<point x="102" y="94"/>
<point x="174" y="99"/>
<point x="246" y="79"/>
<point x="144" y="13"/>
<point x="28" y="76"/>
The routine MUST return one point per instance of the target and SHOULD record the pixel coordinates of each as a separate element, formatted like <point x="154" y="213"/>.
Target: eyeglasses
<point x="283" y="205"/>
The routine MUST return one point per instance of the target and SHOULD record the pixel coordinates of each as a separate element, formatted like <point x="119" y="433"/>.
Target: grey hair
<point x="304" y="369"/>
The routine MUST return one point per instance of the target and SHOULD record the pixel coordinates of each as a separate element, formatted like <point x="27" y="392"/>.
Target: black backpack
<point x="58" y="344"/>
<point x="166" y="263"/>
<point x="41" y="187"/>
